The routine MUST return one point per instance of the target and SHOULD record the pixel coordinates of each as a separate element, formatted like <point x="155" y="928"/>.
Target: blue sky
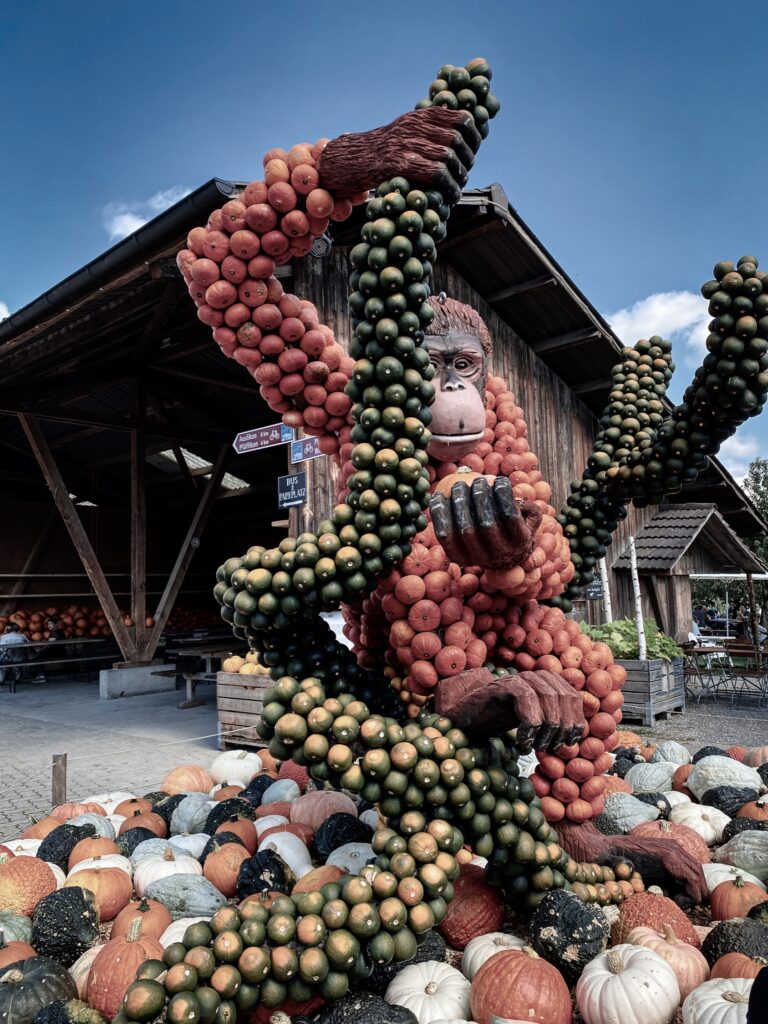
<point x="631" y="138"/>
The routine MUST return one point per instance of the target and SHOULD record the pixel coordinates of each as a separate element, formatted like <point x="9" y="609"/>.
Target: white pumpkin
<point x="291" y="849"/>
<point x="747" y="850"/>
<point x="104" y="827"/>
<point x="116" y="820"/>
<point x="81" y="968"/>
<point x="352" y="857"/>
<point x="106" y="860"/>
<point x="482" y="948"/>
<point x="707" y="821"/>
<point x="371" y="817"/>
<point x="175" y="931"/>
<point x="672" y="751"/>
<point x="269" y="821"/>
<point x="58" y="874"/>
<point x="717" y="873"/>
<point x="23" y="847"/>
<point x="651" y="777"/>
<point x="674" y="798"/>
<point x="628" y="985"/>
<point x="431" y="991"/>
<point x="714" y="771"/>
<point x="108" y="801"/>
<point x="192" y="844"/>
<point x="280" y="791"/>
<point x="152" y="869"/>
<point x="150" y="848"/>
<point x="689" y="964"/>
<point x="718" y="1001"/>
<point x="237" y="767"/>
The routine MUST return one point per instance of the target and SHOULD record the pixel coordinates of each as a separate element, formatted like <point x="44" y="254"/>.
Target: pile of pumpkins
<point x="131" y="908"/>
<point x="80" y="620"/>
<point x="248" y="665"/>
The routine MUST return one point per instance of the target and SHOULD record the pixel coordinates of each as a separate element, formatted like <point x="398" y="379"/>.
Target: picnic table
<point x="196" y="662"/>
<point x="729" y="667"/>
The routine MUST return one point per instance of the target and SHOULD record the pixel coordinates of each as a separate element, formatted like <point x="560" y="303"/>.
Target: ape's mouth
<point x="457" y="438"/>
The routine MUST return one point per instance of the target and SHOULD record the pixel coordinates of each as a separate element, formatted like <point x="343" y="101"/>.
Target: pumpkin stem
<point x="738" y="881"/>
<point x="615" y="963"/>
<point x="143" y="906"/>
<point x="134" y="930"/>
<point x="669" y="933"/>
<point x="168" y="854"/>
<point x="735" y="997"/>
<point x="12" y="977"/>
<point x="431" y="988"/>
<point x="654" y="890"/>
<point x="529" y="951"/>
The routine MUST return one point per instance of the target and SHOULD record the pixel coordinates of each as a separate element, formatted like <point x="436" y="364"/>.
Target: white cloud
<point x="680" y="316"/>
<point x="737" y="452"/>
<point x="123" y="218"/>
<point x="4" y="311"/>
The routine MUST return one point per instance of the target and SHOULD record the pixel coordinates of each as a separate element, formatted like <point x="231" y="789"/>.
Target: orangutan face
<point x="458" y="412"/>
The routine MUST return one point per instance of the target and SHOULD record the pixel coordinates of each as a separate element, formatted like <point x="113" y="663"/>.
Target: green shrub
<point x="621" y="637"/>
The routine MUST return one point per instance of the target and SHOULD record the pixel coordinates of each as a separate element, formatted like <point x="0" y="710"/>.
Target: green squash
<point x="73" y="1011"/>
<point x="65" y="924"/>
<point x="29" y="985"/>
<point x="749" y="851"/>
<point x="568" y="933"/>
<point x="739" y="935"/>
<point x="57" y="845"/>
<point x="623" y="812"/>
<point x="186" y="896"/>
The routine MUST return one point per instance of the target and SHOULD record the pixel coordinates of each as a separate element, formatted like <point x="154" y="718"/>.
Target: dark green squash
<point x="155" y="797"/>
<point x="167" y="806"/>
<point x="759" y="912"/>
<point x="739" y="935"/>
<point x="737" y="825"/>
<point x="657" y="800"/>
<point x="568" y="933"/>
<point x="226" y="809"/>
<point x="728" y="799"/>
<point x="65" y="923"/>
<point x="432" y="948"/>
<point x="73" y="1011"/>
<point x="363" y="1006"/>
<point x="128" y="841"/>
<point x="256" y="789"/>
<point x="762" y="771"/>
<point x="57" y="845"/>
<point x="709" y="752"/>
<point x="338" y="829"/>
<point x="29" y="985"/>
<point x="264" y="872"/>
<point x="217" y="841"/>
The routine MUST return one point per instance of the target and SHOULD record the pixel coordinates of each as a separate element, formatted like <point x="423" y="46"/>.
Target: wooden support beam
<point x="523" y="287"/>
<point x="589" y="387"/>
<point x="34" y="556"/>
<point x="80" y="538"/>
<point x="73" y="416"/>
<point x="138" y="527"/>
<point x="189" y="546"/>
<point x="211" y="381"/>
<point x="561" y="341"/>
<point x="157" y="408"/>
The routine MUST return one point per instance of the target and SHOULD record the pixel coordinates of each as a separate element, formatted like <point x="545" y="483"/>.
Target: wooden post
<point x="41" y="542"/>
<point x="138" y="525"/>
<point x="607" y="604"/>
<point x="80" y="539"/>
<point x="189" y="546"/>
<point x="58" y="780"/>
<point x="643" y="651"/>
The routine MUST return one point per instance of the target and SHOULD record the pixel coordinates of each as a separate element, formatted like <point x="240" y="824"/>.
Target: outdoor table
<point x="208" y="653"/>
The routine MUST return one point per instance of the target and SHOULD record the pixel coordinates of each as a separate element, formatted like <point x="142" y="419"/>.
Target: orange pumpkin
<point x="151" y="821"/>
<point x="93" y="846"/>
<point x="115" y="966"/>
<point x="317" y="878"/>
<point x="680" y="778"/>
<point x="627" y="738"/>
<point x="23" y="883"/>
<point x="734" y="898"/>
<point x="462" y="476"/>
<point x="10" y="952"/>
<point x="756" y="756"/>
<point x="131" y="806"/>
<point x="243" y="829"/>
<point x="476" y="908"/>
<point x="111" y="888"/>
<point x="737" y="753"/>
<point x="680" y="834"/>
<point x="187" y="778"/>
<point x="66" y="811"/>
<point x="738" y="965"/>
<point x="154" y="918"/>
<point x="222" y="866"/>
<point x="757" y="809"/>
<point x="227" y="792"/>
<point x="41" y="828"/>
<point x="652" y="909"/>
<point x="516" y="984"/>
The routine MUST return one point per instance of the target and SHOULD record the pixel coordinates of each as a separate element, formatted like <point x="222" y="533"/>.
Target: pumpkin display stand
<point x="653" y="687"/>
<point x="239" y="700"/>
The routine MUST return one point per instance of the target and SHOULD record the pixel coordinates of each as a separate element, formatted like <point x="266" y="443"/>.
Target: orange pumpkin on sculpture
<point x="445" y="485"/>
<point x="23" y="883"/>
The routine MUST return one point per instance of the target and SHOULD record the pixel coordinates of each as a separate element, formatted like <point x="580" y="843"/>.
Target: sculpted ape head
<point x="459" y="346"/>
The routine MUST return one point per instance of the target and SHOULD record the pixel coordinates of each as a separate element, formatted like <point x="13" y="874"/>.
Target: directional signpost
<point x="263" y="437"/>
<point x="304" y="449"/>
<point x="291" y="490"/>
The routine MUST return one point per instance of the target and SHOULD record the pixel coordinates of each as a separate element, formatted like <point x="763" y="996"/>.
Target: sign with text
<point x="594" y="590"/>
<point x="291" y="490"/>
<point x="304" y="449"/>
<point x="263" y="437"/>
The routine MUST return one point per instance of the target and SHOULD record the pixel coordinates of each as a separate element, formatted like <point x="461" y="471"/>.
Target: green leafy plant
<point x="621" y="637"/>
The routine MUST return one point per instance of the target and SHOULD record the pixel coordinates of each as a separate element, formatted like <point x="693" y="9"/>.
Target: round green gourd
<point x="65" y="924"/>
<point x="29" y="985"/>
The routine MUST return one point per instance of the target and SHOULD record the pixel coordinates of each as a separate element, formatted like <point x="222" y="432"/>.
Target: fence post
<point x="59" y="780"/>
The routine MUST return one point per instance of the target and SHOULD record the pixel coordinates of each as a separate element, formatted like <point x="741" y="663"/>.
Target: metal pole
<point x="607" y="604"/>
<point x="641" y="645"/>
<point x="59" y="780"/>
<point x="727" y="614"/>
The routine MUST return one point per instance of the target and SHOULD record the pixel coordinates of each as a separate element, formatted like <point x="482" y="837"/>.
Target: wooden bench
<point x="13" y="671"/>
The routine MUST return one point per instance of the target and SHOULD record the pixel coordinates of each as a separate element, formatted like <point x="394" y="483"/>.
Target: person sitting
<point x="55" y="630"/>
<point x="11" y="643"/>
<point x="699" y="615"/>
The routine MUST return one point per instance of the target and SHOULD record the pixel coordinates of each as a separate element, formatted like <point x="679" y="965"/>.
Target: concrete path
<point x="127" y="744"/>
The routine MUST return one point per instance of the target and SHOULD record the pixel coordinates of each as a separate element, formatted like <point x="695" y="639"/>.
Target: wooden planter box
<point x="239" y="700"/>
<point x="653" y="688"/>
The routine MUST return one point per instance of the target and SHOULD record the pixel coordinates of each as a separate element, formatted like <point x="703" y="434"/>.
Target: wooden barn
<point x="119" y="480"/>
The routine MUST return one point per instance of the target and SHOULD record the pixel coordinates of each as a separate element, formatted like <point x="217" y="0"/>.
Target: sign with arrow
<point x="291" y="490"/>
<point x="263" y="437"/>
<point x="304" y="449"/>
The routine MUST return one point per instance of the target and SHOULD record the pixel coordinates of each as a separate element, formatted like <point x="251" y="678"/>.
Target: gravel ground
<point x="713" y="722"/>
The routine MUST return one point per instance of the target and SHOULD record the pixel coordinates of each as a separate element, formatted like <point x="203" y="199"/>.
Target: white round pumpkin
<point x="152" y="869"/>
<point x="674" y="798"/>
<point x="351" y="857"/>
<point x="717" y="873"/>
<point x="107" y="860"/>
<point x="104" y="827"/>
<point x="628" y="985"/>
<point x="431" y="991"/>
<point x="482" y="948"/>
<point x="23" y="847"/>
<point x="707" y="821"/>
<point x="81" y="968"/>
<point x="719" y="1001"/>
<point x="291" y="849"/>
<point x="109" y="801"/>
<point x="175" y="932"/>
<point x="191" y="844"/>
<point x="237" y="767"/>
<point x="269" y="821"/>
<point x="688" y="963"/>
<point x="150" y="848"/>
<point x="714" y="771"/>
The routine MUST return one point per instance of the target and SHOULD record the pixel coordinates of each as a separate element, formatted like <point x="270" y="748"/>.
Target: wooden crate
<point x="239" y="700"/>
<point x="653" y="688"/>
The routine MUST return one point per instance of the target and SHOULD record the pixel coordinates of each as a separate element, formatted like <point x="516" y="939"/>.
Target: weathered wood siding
<point x="560" y="427"/>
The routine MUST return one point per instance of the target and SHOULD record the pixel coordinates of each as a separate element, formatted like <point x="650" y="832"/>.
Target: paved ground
<point x="126" y="744"/>
<point x="130" y="744"/>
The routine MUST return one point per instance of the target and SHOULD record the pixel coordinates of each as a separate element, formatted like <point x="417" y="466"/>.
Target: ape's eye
<point x="463" y="364"/>
<point x="434" y="363"/>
